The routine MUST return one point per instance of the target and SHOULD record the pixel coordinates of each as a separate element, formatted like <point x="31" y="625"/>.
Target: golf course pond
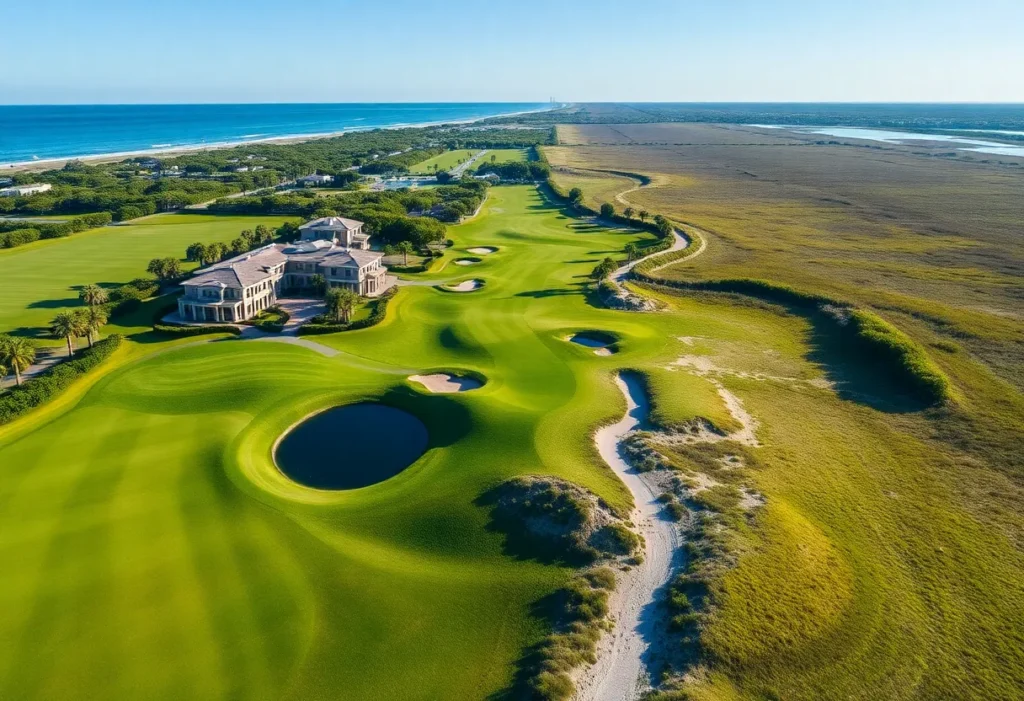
<point x="351" y="446"/>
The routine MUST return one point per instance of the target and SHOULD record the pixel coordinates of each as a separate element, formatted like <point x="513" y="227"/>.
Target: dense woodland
<point x="392" y="216"/>
<point x="147" y="185"/>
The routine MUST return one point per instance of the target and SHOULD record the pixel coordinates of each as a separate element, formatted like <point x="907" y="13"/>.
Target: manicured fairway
<point x="444" y="161"/>
<point x="154" y="551"/>
<point x="40" y="279"/>
<point x="503" y="155"/>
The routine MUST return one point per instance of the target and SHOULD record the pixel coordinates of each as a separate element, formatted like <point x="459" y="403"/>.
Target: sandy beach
<point x="171" y="151"/>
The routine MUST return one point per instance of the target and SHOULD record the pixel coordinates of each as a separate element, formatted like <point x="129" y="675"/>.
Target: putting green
<point x="154" y="551"/>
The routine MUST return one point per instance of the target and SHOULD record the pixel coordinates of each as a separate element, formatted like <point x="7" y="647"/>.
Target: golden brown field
<point x="890" y="550"/>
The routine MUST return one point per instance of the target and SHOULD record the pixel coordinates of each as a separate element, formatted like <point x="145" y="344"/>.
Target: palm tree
<point x="17" y="354"/>
<point x="67" y="325"/>
<point x="644" y="214"/>
<point x="93" y="319"/>
<point x="405" y="248"/>
<point x="93" y="295"/>
<point x="346" y="302"/>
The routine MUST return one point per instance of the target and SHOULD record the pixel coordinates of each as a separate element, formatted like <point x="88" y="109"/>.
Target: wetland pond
<point x="351" y="446"/>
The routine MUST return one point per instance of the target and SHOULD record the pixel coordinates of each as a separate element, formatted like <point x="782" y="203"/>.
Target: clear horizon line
<point x="526" y="102"/>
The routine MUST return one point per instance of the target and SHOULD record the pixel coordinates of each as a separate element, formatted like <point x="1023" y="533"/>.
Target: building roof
<point x="317" y="251"/>
<point x="334" y="223"/>
<point x="240" y="271"/>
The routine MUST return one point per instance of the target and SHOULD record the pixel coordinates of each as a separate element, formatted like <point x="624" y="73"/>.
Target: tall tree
<point x="644" y="214"/>
<point x="319" y="284"/>
<point x="405" y="248"/>
<point x="17" y="354"/>
<point x="195" y="253"/>
<point x="93" y="318"/>
<point x="67" y="325"/>
<point x="632" y="251"/>
<point x="93" y="295"/>
<point x="628" y="213"/>
<point x="340" y="303"/>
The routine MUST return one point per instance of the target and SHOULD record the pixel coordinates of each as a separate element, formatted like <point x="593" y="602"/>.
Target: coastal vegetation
<point x="827" y="253"/>
<point x="851" y="544"/>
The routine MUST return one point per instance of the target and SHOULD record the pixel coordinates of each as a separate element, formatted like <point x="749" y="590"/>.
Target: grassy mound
<point x="555" y="521"/>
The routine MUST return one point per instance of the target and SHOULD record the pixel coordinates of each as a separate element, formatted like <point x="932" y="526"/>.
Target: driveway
<point x="301" y="310"/>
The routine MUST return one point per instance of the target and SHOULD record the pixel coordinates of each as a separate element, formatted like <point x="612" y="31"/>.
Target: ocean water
<point x="41" y="132"/>
<point x="961" y="143"/>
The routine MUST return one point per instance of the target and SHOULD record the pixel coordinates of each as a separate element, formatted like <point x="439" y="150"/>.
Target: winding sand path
<point x="620" y="673"/>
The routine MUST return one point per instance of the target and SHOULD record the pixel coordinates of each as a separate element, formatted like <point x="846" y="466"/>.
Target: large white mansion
<point x="241" y="287"/>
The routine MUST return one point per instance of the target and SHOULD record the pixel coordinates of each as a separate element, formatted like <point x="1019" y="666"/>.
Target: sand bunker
<point x="465" y="286"/>
<point x="602" y="343"/>
<point x="483" y="250"/>
<point x="467" y="261"/>
<point x="446" y="383"/>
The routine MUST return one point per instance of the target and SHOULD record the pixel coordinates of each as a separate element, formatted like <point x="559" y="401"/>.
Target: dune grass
<point x="156" y="552"/>
<point x="42" y="279"/>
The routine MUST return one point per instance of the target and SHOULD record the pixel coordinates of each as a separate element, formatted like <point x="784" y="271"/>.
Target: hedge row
<point x="876" y="337"/>
<point x="52" y="382"/>
<point x="183" y="331"/>
<point x="15" y="234"/>
<point x="377" y="314"/>
<point x="888" y="343"/>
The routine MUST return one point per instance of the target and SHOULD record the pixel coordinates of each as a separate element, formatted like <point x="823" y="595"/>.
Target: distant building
<point x="25" y="190"/>
<point x="316" y="180"/>
<point x="347" y="233"/>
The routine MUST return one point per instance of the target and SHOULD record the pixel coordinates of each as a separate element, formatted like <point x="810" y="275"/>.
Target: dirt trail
<point x="620" y="670"/>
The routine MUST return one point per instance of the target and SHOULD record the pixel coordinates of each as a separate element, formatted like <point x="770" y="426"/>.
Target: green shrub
<point x="171" y="330"/>
<point x="377" y="315"/>
<point x="49" y="384"/>
<point x="618" y="539"/>
<point x="890" y="345"/>
<point x="18" y="237"/>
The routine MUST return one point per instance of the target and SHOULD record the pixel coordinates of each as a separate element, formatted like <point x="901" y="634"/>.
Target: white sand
<point x="466" y="261"/>
<point x="619" y="673"/>
<point x="466" y="286"/>
<point x="445" y="383"/>
<point x="482" y="251"/>
<point x="604" y="352"/>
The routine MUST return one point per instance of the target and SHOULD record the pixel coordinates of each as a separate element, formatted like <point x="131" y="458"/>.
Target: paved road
<point x="458" y="170"/>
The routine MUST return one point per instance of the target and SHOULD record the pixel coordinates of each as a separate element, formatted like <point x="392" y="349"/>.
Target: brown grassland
<point x="888" y="559"/>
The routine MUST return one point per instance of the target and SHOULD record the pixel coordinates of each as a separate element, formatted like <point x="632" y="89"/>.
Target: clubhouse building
<point x="239" y="288"/>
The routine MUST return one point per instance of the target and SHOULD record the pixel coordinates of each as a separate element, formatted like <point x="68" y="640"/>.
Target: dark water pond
<point x="351" y="446"/>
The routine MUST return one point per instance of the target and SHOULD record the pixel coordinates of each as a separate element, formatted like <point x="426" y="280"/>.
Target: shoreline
<point x="59" y="161"/>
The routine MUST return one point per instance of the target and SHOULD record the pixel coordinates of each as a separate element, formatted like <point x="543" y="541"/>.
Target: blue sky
<point x="92" y="51"/>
